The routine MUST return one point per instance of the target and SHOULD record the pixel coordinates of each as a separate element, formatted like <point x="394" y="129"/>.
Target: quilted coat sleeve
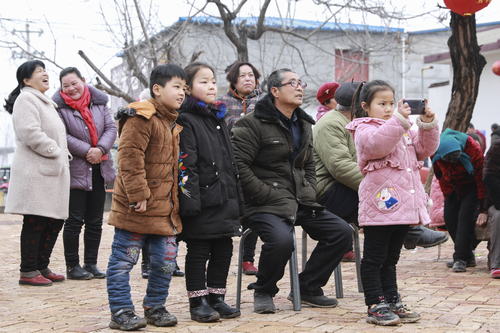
<point x="246" y="145"/>
<point x="426" y="139"/>
<point x="189" y="195"/>
<point x="134" y="140"/>
<point x="109" y="136"/>
<point x="376" y="142"/>
<point x="332" y="147"/>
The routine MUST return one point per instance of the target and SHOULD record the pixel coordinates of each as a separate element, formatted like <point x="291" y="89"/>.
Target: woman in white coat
<point x="40" y="179"/>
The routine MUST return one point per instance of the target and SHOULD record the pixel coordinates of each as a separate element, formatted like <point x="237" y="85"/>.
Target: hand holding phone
<point x="417" y="105"/>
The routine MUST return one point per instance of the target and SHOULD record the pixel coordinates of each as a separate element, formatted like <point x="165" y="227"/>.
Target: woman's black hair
<point x="326" y="102"/>
<point x="69" y="70"/>
<point x="25" y="71"/>
<point x="365" y="93"/>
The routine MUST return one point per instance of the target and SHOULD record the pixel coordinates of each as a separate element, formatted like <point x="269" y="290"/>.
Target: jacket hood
<point x="194" y="105"/>
<point x="265" y="109"/>
<point x="97" y="97"/>
<point x="497" y="132"/>
<point x="353" y="125"/>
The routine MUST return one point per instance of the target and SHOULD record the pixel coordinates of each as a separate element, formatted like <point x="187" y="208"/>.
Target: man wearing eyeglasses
<point x="274" y="154"/>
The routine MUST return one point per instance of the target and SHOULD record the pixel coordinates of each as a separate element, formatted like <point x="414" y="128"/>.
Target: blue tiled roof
<point x="295" y="24"/>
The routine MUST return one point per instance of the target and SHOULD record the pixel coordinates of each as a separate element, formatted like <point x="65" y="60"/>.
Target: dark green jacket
<point x="262" y="145"/>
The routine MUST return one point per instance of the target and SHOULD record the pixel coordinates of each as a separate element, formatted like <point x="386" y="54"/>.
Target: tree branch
<point x="118" y="91"/>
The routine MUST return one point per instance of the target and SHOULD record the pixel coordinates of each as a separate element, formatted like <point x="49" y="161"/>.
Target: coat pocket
<point x="51" y="167"/>
<point x="387" y="198"/>
<point x="211" y="195"/>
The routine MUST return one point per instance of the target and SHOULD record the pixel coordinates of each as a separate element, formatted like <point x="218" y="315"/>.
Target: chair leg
<point x="304" y="249"/>
<point x="240" y="267"/>
<point x="294" y="276"/>
<point x="357" y="255"/>
<point x="339" y="289"/>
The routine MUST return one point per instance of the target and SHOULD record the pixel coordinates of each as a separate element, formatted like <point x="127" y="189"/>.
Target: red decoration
<point x="466" y="7"/>
<point x="496" y="67"/>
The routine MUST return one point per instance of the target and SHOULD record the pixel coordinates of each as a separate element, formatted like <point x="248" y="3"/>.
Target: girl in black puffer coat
<point x="210" y="196"/>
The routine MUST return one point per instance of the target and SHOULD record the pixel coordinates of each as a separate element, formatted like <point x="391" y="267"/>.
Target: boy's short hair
<point x="163" y="74"/>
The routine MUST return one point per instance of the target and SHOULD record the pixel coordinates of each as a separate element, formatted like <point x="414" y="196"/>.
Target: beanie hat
<point x="345" y="92"/>
<point x="326" y="91"/>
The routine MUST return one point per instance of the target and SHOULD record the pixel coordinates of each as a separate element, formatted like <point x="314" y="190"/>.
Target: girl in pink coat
<point x="391" y="195"/>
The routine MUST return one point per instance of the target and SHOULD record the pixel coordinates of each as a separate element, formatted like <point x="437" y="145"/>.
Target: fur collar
<point x="194" y="105"/>
<point x="97" y="97"/>
<point x="265" y="110"/>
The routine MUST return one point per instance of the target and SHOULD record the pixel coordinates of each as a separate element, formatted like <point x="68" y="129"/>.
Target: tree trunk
<point x="468" y="64"/>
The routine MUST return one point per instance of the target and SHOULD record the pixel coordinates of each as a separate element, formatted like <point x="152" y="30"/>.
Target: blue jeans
<point x="125" y="254"/>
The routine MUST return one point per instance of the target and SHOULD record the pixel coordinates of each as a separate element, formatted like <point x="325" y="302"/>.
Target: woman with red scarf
<point x="91" y="132"/>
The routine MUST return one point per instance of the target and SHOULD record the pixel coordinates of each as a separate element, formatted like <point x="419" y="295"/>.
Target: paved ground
<point x="448" y="302"/>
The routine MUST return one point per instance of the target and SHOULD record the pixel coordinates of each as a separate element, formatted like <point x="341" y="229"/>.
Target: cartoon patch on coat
<point x="386" y="200"/>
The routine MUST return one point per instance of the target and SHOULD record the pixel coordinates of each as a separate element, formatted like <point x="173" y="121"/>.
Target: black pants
<point x="382" y="248"/>
<point x="342" y="201"/>
<point x="332" y="233"/>
<point x="85" y="207"/>
<point x="218" y="253"/>
<point x="459" y="219"/>
<point x="38" y="237"/>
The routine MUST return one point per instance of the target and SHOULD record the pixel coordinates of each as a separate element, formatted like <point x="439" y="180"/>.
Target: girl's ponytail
<point x="9" y="101"/>
<point x="356" y="110"/>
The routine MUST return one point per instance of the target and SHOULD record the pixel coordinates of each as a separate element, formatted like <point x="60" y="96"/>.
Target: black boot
<point x="96" y="272"/>
<point x="424" y="237"/>
<point x="78" y="273"/>
<point x="146" y="264"/>
<point x="177" y="271"/>
<point x="201" y="311"/>
<point x="217" y="303"/>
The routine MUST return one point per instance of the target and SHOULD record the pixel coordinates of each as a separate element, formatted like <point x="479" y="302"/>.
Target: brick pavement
<point x="448" y="302"/>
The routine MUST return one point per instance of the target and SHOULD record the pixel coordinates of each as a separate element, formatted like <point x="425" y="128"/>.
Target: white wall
<point x="486" y="111"/>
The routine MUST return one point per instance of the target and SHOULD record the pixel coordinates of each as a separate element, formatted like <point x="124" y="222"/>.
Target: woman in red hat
<point x="325" y="96"/>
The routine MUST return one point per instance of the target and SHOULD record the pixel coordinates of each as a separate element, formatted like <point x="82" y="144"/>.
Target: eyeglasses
<point x="294" y="84"/>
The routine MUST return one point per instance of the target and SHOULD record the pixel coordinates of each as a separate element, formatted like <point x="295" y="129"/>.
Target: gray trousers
<point x="494" y="214"/>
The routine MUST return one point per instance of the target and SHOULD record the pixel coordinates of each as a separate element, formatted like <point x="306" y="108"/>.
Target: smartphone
<point x="133" y="205"/>
<point x="417" y="105"/>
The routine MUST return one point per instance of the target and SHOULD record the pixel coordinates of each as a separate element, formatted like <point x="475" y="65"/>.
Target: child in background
<point x="325" y="96"/>
<point x="211" y="200"/>
<point x="145" y="204"/>
<point x="391" y="196"/>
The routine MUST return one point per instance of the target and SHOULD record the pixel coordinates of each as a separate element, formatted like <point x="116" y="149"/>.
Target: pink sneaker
<point x="495" y="273"/>
<point x="249" y="268"/>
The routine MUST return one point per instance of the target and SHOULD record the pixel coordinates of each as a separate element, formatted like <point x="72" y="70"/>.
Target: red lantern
<point x="496" y="67"/>
<point x="466" y="7"/>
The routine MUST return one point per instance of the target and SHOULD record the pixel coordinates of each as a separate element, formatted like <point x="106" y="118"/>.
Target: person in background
<point x="40" y="178"/>
<point x="243" y="93"/>
<point x="91" y="133"/>
<point x="326" y="98"/>
<point x="458" y="165"/>
<point x="471" y="129"/>
<point x="477" y="139"/>
<point x="146" y="260"/>
<point x="491" y="180"/>
<point x="495" y="132"/>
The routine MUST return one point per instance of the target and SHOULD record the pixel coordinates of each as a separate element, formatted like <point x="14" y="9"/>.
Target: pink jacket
<point x="388" y="157"/>
<point x="322" y="110"/>
<point x="436" y="211"/>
